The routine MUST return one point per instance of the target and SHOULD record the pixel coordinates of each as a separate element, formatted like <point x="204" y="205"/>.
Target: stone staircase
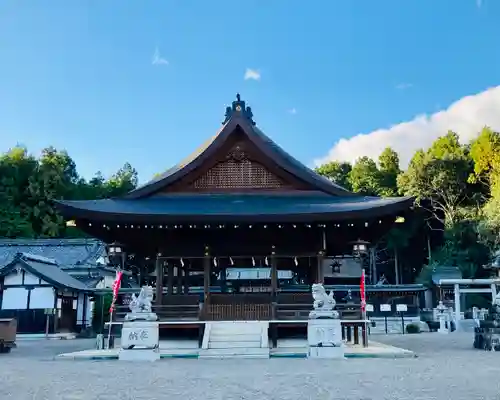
<point x="235" y="339"/>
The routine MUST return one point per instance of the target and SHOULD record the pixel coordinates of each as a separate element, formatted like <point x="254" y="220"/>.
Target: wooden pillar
<point x="319" y="267"/>
<point x="274" y="282"/>
<point x="170" y="279"/>
<point x="274" y="272"/>
<point x="179" y="279"/>
<point x="159" y="281"/>
<point x="206" y="277"/>
<point x="185" y="269"/>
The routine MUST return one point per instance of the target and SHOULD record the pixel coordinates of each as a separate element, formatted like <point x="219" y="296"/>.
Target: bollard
<point x="99" y="342"/>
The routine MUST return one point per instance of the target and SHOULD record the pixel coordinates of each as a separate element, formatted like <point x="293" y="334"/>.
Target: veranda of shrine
<point x="241" y="229"/>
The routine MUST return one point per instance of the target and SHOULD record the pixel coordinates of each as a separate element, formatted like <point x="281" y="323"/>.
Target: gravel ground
<point x="447" y="368"/>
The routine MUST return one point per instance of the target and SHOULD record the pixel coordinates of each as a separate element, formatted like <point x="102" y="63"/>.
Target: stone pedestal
<point x="140" y="341"/>
<point x="324" y="336"/>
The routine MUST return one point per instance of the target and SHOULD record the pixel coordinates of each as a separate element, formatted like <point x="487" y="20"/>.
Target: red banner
<point x="362" y="291"/>
<point x="116" y="287"/>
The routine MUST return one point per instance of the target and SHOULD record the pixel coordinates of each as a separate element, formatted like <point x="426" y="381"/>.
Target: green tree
<point x="365" y="177"/>
<point x="388" y="172"/>
<point x="337" y="172"/>
<point x="440" y="176"/>
<point x="125" y="180"/>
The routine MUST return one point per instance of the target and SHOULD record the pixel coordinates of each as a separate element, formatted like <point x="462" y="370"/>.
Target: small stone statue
<point x="348" y="298"/>
<point x="324" y="304"/>
<point x="141" y="306"/>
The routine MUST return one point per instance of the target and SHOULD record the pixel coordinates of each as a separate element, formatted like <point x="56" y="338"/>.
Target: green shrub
<point x="413" y="328"/>
<point x="101" y="311"/>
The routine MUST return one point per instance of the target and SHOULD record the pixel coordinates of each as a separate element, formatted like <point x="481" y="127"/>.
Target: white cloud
<point x="403" y="86"/>
<point x="292" y="111"/>
<point x="158" y="59"/>
<point x="252" y="74"/>
<point x="466" y="117"/>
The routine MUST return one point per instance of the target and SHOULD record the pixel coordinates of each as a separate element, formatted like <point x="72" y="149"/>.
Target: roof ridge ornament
<point x="239" y="108"/>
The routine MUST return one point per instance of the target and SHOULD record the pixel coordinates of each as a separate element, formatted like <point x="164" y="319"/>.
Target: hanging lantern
<point x="231" y="260"/>
<point x="359" y="247"/>
<point x="253" y="261"/>
<point x="116" y="255"/>
<point x="265" y="261"/>
<point x="296" y="261"/>
<point x="215" y="261"/>
<point x="182" y="262"/>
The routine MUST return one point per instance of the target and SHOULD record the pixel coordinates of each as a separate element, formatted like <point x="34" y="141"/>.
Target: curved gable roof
<point x="240" y="116"/>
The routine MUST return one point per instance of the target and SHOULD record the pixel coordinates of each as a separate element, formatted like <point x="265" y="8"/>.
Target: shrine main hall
<point x="240" y="229"/>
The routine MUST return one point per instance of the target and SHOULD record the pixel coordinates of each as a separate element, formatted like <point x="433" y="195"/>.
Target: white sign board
<point x="385" y="307"/>
<point x="401" y="307"/>
<point x="369" y="308"/>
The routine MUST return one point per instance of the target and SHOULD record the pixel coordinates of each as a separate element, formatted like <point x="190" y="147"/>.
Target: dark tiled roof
<point x="46" y="269"/>
<point x="445" y="272"/>
<point x="267" y="146"/>
<point x="67" y="252"/>
<point x="224" y="206"/>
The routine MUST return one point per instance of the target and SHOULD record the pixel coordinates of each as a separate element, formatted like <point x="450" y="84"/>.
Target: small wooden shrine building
<point x="239" y="225"/>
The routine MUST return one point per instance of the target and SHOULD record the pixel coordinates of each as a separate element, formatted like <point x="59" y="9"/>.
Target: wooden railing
<point x="353" y="330"/>
<point x="221" y="312"/>
<point x="172" y="312"/>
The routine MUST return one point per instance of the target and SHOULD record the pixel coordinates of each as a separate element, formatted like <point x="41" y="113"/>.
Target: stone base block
<point x="140" y="334"/>
<point x="139" y="355"/>
<point x="324" y="332"/>
<point x="326" y="352"/>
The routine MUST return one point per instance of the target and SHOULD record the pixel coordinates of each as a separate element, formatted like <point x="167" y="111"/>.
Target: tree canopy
<point x="29" y="184"/>
<point x="458" y="184"/>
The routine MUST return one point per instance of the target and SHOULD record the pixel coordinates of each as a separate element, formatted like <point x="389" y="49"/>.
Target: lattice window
<point x="238" y="172"/>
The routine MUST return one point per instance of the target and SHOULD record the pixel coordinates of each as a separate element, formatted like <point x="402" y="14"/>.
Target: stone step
<point x="220" y="357"/>
<point x="235" y="338"/>
<point x="237" y="328"/>
<point x="235" y="334"/>
<point x="235" y="353"/>
<point x="234" y="345"/>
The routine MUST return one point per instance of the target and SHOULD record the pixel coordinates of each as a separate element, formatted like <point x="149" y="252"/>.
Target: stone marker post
<point x="324" y="330"/>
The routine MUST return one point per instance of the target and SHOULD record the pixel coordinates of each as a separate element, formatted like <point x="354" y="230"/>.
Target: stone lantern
<point x="441" y="308"/>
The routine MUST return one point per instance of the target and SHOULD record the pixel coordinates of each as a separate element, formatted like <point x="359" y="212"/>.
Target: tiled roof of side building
<point x="46" y="269"/>
<point x="445" y="272"/>
<point x="66" y="252"/>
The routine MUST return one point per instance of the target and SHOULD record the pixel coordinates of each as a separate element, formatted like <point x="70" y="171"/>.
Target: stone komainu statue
<point x="322" y="301"/>
<point x="143" y="302"/>
<point x="324" y="304"/>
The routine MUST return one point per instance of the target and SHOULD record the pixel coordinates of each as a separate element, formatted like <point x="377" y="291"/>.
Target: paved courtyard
<point x="447" y="368"/>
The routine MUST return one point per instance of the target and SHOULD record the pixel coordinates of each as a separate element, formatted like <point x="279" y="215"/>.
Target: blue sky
<point x="80" y="75"/>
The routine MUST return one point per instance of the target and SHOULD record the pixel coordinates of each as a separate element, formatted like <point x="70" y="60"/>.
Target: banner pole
<point x="109" y="326"/>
